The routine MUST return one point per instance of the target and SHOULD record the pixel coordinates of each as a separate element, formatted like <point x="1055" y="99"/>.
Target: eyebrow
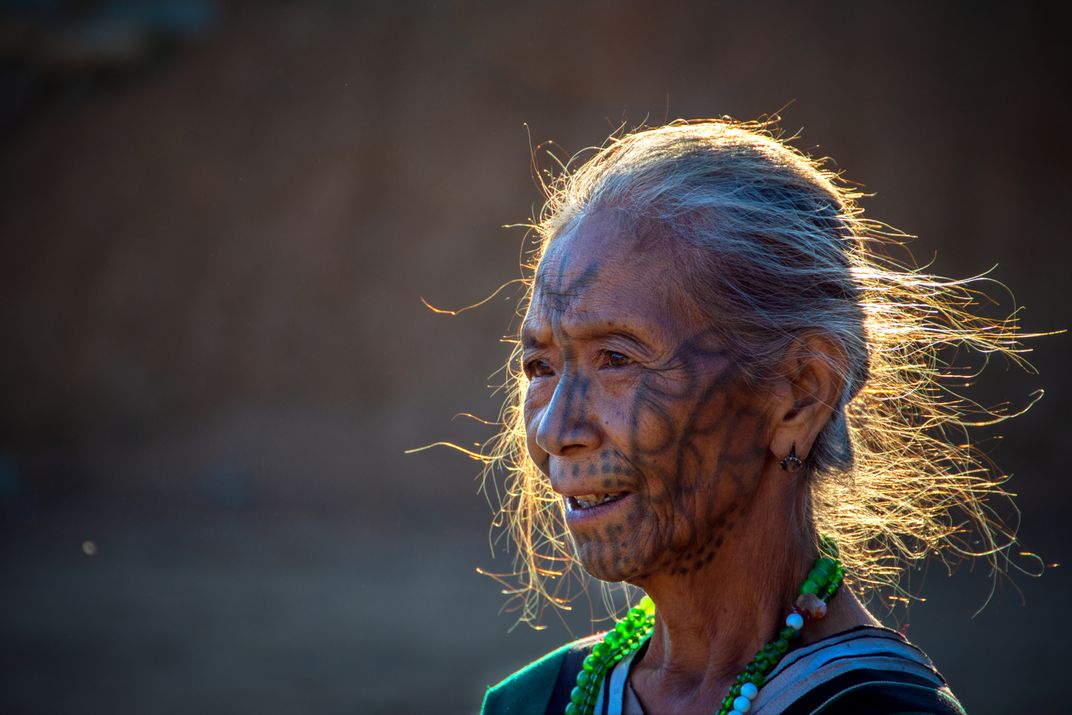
<point x="529" y="339"/>
<point x="585" y="330"/>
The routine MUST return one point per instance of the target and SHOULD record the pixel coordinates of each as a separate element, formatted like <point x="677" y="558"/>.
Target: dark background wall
<point x="217" y="221"/>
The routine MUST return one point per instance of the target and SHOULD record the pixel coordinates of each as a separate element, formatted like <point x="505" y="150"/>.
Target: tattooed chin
<point x="608" y="560"/>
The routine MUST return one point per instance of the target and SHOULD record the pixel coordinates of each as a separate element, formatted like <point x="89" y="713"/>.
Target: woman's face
<point x="635" y="410"/>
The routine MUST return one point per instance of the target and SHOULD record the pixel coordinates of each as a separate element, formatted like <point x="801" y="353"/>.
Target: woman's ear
<point x="812" y="379"/>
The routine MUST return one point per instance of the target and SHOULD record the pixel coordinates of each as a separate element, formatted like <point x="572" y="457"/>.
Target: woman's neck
<point x="710" y="622"/>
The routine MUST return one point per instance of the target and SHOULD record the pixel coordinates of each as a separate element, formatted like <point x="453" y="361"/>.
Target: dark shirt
<point x="863" y="670"/>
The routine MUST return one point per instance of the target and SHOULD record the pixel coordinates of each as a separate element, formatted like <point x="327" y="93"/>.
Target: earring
<point x="792" y="462"/>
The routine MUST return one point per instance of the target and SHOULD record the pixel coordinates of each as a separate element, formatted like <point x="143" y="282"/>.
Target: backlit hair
<point x="776" y="246"/>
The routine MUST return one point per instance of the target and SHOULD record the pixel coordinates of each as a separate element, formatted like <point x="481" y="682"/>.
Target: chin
<point x="605" y="563"/>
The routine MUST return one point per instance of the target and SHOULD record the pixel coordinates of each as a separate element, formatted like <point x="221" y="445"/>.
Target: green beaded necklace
<point x="628" y="634"/>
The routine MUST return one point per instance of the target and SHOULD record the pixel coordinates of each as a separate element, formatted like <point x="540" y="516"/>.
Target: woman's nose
<point x="567" y="424"/>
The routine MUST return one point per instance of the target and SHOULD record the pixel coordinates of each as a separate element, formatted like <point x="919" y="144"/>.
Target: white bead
<point x="743" y="704"/>
<point x="794" y="621"/>
<point x="750" y="691"/>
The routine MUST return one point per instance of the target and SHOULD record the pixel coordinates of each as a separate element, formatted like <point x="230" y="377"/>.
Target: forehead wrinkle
<point x="580" y="325"/>
<point x="562" y="289"/>
<point x="588" y="317"/>
<point x="561" y="300"/>
<point x="604" y="268"/>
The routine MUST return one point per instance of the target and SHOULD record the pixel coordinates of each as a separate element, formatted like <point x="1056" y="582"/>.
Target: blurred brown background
<point x="218" y="218"/>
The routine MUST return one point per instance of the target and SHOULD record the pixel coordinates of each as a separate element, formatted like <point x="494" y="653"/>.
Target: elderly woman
<point x="728" y="393"/>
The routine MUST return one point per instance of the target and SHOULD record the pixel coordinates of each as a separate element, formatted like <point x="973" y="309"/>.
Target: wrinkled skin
<point x="630" y="391"/>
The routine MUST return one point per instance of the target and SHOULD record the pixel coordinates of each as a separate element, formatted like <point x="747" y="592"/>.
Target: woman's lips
<point x="583" y="507"/>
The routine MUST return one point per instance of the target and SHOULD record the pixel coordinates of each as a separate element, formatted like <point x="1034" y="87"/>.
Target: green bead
<point x="809" y="586"/>
<point x="578" y="696"/>
<point x="833" y="586"/>
<point x="623" y="629"/>
<point x="572" y="709"/>
<point x="599" y="650"/>
<point x="612" y="639"/>
<point x="787" y="633"/>
<point x="781" y="645"/>
<point x="583" y="678"/>
<point x="735" y="690"/>
<point x="589" y="663"/>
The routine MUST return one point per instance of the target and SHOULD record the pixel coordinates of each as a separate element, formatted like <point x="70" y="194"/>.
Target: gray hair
<point x="767" y="241"/>
<point x="772" y="245"/>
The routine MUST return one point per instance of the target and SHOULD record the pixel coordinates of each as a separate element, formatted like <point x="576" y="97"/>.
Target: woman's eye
<point x="615" y="359"/>
<point x="538" y="368"/>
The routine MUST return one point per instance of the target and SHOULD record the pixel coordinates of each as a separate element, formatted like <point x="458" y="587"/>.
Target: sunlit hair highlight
<point x="775" y="244"/>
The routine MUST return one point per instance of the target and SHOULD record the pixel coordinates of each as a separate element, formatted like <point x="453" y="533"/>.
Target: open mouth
<point x="587" y="501"/>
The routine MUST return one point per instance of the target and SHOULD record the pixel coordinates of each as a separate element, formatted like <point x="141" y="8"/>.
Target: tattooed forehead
<point x="559" y="287"/>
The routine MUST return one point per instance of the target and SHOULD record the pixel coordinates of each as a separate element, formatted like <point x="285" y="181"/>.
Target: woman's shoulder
<point x="864" y="669"/>
<point x="530" y="690"/>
